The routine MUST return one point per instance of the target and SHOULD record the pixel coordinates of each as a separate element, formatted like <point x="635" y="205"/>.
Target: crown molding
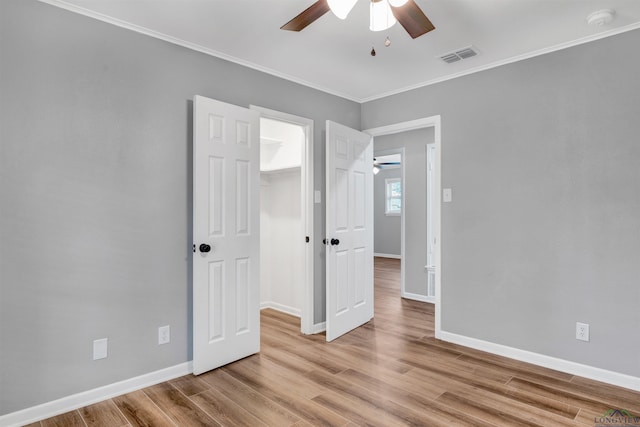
<point x="192" y="46"/>
<point x="198" y="48"/>
<point x="507" y="61"/>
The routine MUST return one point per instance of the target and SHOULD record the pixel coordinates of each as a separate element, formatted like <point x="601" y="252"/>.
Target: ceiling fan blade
<point x="309" y="15"/>
<point x="411" y="17"/>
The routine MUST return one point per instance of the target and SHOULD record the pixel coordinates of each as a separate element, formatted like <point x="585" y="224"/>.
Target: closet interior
<point x="281" y="226"/>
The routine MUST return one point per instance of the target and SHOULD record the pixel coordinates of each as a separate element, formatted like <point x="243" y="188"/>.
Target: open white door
<point x="226" y="233"/>
<point x="349" y="241"/>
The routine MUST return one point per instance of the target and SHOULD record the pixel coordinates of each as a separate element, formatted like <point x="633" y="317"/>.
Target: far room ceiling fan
<point x="406" y="12"/>
<point x="378" y="165"/>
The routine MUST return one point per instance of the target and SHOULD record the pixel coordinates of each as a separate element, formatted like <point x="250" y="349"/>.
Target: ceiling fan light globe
<point x="341" y="8"/>
<point x="397" y="3"/>
<point x="380" y="16"/>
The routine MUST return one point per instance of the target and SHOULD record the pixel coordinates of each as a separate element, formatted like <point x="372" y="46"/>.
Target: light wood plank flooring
<point x="390" y="372"/>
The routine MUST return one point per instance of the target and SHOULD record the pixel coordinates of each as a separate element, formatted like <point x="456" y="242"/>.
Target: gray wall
<point x="95" y="168"/>
<point x="415" y="198"/>
<point x="386" y="234"/>
<point x="95" y="172"/>
<point x="543" y="231"/>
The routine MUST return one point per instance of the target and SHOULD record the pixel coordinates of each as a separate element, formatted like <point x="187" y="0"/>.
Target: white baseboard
<point x="598" y="374"/>
<point x="388" y="256"/>
<point x="79" y="400"/>
<point x="281" y="307"/>
<point x="319" y="327"/>
<point x="418" y="297"/>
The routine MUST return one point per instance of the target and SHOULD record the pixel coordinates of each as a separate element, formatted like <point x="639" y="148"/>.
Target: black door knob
<point x="335" y="242"/>
<point x="205" y="248"/>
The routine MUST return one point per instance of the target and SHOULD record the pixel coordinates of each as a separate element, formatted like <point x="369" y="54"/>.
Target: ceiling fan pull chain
<point x="387" y="42"/>
<point x="373" y="51"/>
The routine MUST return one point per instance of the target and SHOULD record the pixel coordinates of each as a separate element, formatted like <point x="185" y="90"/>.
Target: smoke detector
<point x="600" y="18"/>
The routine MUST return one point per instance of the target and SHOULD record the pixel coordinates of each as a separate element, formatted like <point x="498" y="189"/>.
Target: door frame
<point x="307" y="207"/>
<point x="400" y="151"/>
<point x="426" y="122"/>
<point x="431" y="200"/>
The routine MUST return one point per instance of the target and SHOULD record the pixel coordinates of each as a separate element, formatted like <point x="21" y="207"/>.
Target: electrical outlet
<point x="164" y="334"/>
<point x="582" y="331"/>
<point x="100" y="349"/>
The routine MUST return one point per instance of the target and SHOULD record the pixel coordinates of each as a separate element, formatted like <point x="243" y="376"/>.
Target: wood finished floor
<point x="390" y="372"/>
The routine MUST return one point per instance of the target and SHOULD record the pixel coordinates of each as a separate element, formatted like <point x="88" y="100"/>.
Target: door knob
<point x="205" y="248"/>
<point x="335" y="242"/>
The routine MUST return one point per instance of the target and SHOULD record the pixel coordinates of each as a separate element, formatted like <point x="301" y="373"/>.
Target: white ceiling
<point x="333" y="55"/>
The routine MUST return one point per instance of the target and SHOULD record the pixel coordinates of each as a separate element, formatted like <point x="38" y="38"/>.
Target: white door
<point x="226" y="233"/>
<point x="349" y="229"/>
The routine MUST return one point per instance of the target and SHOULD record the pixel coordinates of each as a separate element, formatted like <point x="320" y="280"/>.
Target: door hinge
<point x="306" y="239"/>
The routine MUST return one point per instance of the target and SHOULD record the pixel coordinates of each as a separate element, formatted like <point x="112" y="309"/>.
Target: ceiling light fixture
<point x="382" y="15"/>
<point x="341" y="8"/>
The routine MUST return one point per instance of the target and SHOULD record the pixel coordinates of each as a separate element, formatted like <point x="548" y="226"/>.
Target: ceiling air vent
<point x="458" y="55"/>
<point x="450" y="58"/>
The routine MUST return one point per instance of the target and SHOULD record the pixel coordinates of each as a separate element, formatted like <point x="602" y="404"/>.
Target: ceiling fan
<point x="406" y="12"/>
<point x="378" y="166"/>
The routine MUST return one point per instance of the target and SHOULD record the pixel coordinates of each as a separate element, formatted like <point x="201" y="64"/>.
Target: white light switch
<point x="100" y="349"/>
<point x="446" y="195"/>
<point x="317" y="197"/>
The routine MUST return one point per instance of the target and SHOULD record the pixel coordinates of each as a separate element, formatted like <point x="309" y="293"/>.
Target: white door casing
<point x="431" y="239"/>
<point x="349" y="211"/>
<point x="426" y="122"/>
<point x="226" y="200"/>
<point x="307" y="208"/>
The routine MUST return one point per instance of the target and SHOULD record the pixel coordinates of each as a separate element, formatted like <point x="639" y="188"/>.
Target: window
<point x="393" y="196"/>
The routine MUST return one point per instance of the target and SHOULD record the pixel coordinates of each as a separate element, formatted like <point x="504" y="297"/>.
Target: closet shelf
<point x="280" y="170"/>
